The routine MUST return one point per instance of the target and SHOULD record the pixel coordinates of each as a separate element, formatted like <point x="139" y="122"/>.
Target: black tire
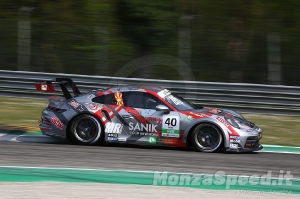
<point x="206" y="138"/>
<point x="86" y="130"/>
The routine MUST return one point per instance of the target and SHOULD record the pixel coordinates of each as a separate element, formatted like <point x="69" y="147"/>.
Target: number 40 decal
<point x="170" y="123"/>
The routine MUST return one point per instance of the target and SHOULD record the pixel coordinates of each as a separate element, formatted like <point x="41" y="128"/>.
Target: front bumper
<point x="253" y="148"/>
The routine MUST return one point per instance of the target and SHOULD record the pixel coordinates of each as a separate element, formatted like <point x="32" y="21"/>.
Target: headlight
<point x="232" y="121"/>
<point x="238" y="122"/>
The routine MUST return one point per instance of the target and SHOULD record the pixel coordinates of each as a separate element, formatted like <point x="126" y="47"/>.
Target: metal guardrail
<point x="247" y="98"/>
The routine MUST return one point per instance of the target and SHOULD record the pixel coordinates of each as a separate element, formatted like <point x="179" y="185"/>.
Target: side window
<point x="105" y="99"/>
<point x="140" y="100"/>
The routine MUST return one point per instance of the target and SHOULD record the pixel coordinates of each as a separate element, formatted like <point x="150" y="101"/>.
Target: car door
<point x="146" y="124"/>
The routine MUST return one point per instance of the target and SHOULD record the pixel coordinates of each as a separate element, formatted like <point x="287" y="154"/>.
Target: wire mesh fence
<point x="214" y="48"/>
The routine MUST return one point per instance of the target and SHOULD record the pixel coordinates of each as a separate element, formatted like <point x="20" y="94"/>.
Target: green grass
<point x="21" y="112"/>
<point x="281" y="130"/>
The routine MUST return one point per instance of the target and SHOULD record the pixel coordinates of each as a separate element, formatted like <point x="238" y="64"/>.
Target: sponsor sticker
<point x="153" y="119"/>
<point x="163" y="93"/>
<point x="197" y="114"/>
<point x="44" y="87"/>
<point x="175" y="100"/>
<point x="143" y="133"/>
<point x="152" y="140"/>
<point x="119" y="99"/>
<point x="142" y="127"/>
<point x="76" y="105"/>
<point x="112" y="138"/>
<point x="57" y="123"/>
<point x="122" y="139"/>
<point x="133" y="111"/>
<point x="234" y="146"/>
<point x="223" y="121"/>
<point x="147" y="111"/>
<point x="111" y="127"/>
<point x="112" y="135"/>
<point x="234" y="139"/>
<point x="91" y="96"/>
<point x="215" y="111"/>
<point x="170" y="140"/>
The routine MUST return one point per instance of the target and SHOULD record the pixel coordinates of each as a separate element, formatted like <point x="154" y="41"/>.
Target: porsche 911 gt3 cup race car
<point x="143" y="114"/>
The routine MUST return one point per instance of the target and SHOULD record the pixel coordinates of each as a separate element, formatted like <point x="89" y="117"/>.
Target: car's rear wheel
<point x="207" y="137"/>
<point x="86" y="130"/>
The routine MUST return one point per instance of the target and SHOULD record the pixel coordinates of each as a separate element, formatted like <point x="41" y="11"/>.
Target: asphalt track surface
<point x="137" y="158"/>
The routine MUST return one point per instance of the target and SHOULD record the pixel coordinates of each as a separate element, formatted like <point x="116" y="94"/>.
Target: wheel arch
<point x="188" y="132"/>
<point x="69" y="125"/>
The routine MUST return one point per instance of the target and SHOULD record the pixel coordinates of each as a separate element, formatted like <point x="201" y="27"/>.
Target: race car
<point x="143" y="115"/>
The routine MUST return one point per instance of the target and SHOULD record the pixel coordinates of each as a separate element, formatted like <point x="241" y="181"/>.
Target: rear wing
<point x="48" y="86"/>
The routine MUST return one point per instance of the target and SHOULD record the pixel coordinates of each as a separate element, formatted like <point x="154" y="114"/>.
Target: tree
<point x="147" y="24"/>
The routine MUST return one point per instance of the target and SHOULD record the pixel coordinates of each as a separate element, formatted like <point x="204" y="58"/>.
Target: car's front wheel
<point x="207" y="137"/>
<point x="86" y="130"/>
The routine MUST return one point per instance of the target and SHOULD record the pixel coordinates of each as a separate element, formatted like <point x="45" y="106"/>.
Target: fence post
<point x="24" y="38"/>
<point x="184" y="36"/>
<point x="101" y="50"/>
<point x="274" y="67"/>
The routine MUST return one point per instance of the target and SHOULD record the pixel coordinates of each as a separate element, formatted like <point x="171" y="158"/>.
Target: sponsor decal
<point x="163" y="93"/>
<point x="175" y="100"/>
<point x="142" y="127"/>
<point x="234" y="139"/>
<point x="234" y="146"/>
<point x="146" y="111"/>
<point x="91" y="96"/>
<point x="153" y="119"/>
<point x="122" y="139"/>
<point x="197" y="114"/>
<point x="112" y="136"/>
<point x="170" y="140"/>
<point x="143" y="133"/>
<point x="44" y="87"/>
<point x="215" y="111"/>
<point x="111" y="127"/>
<point x="170" y="126"/>
<point x="76" y="105"/>
<point x="228" y="114"/>
<point x="57" y="123"/>
<point x="222" y="120"/>
<point x="152" y="140"/>
<point x="133" y="111"/>
<point x="119" y="99"/>
<point x="94" y="107"/>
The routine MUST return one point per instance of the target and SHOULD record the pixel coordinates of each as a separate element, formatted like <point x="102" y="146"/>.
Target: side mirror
<point x="162" y="108"/>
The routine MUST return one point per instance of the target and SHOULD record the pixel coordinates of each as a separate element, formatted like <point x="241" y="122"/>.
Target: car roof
<point x="136" y="87"/>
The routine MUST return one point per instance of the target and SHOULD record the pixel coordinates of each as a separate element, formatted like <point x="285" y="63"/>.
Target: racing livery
<point x="143" y="114"/>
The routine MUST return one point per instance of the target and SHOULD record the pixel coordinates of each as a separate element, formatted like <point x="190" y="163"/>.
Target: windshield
<point x="179" y="103"/>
